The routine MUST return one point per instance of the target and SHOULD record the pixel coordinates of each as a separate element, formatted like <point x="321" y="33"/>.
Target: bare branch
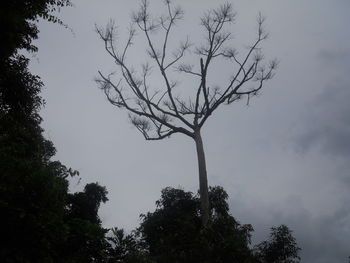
<point x="160" y="113"/>
<point x="142" y="18"/>
<point x="120" y="101"/>
<point x="179" y="53"/>
<point x="186" y="68"/>
<point x="173" y="15"/>
<point x="253" y="72"/>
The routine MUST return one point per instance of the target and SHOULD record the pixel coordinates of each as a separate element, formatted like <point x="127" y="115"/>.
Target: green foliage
<point x="85" y="205"/>
<point x="32" y="200"/>
<point x="85" y="239"/>
<point x="126" y="248"/>
<point x="174" y="233"/>
<point x="280" y="248"/>
<point x="41" y="221"/>
<point x="32" y="188"/>
<point x="18" y="28"/>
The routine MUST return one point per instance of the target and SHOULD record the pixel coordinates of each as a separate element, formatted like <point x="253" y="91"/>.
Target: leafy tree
<point x="85" y="240"/>
<point x="19" y="89"/>
<point x="32" y="201"/>
<point x="156" y="109"/>
<point x="126" y="248"/>
<point x="173" y="232"/>
<point x="18" y="28"/>
<point x="85" y="205"/>
<point x="41" y="221"/>
<point x="280" y="248"/>
<point x="33" y="189"/>
<point x="20" y="101"/>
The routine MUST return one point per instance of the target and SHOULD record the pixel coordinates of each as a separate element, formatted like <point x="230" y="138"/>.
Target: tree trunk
<point x="203" y="181"/>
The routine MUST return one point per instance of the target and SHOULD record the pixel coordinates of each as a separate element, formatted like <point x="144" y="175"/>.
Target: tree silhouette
<point x="32" y="188"/>
<point x="280" y="247"/>
<point x="159" y="113"/>
<point x="86" y="239"/>
<point x="173" y="232"/>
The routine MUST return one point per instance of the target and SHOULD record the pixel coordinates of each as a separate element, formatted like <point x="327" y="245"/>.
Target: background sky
<point x="284" y="159"/>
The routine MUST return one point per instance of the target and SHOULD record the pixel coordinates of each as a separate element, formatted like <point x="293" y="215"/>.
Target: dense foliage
<point x="17" y="19"/>
<point x="40" y="222"/>
<point x="280" y="247"/>
<point x="173" y="233"/>
<point x="85" y="240"/>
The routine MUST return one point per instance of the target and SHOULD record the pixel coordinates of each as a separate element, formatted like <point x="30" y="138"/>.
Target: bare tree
<point x="159" y="113"/>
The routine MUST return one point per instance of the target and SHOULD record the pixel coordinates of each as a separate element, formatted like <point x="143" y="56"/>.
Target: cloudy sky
<point x="284" y="159"/>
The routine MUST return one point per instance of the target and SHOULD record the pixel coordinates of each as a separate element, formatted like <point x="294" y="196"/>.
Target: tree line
<point x="41" y="221"/>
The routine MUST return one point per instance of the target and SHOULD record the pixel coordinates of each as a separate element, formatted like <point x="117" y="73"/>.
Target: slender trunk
<point x="203" y="181"/>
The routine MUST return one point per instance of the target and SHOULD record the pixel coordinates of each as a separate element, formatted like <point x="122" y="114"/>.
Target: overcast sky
<point x="284" y="159"/>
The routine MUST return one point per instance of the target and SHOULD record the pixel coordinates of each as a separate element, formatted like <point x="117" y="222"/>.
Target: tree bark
<point x="203" y="181"/>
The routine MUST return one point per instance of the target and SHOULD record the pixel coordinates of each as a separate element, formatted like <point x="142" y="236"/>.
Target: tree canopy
<point x="18" y="28"/>
<point x="173" y="233"/>
<point x="38" y="213"/>
<point x="280" y="247"/>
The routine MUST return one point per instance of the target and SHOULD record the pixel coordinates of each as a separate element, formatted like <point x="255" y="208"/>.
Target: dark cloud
<point x="328" y="124"/>
<point x="323" y="130"/>
<point x="326" y="121"/>
<point x="334" y="57"/>
<point x="323" y="239"/>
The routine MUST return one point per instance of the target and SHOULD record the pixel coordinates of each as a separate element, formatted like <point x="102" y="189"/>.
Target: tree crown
<point x="160" y="112"/>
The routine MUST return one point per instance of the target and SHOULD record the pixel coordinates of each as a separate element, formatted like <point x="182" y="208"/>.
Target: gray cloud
<point x="323" y="239"/>
<point x="323" y="129"/>
<point x="326" y="121"/>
